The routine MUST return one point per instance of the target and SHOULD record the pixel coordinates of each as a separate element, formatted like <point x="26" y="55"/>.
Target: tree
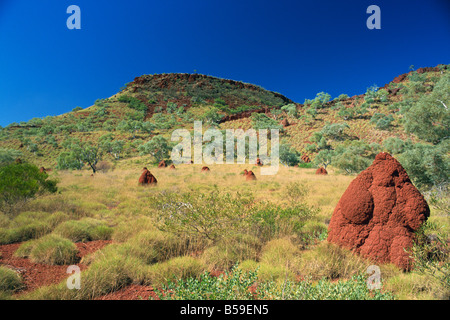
<point x="80" y="154"/>
<point x="382" y="121"/>
<point x="158" y="147"/>
<point x="212" y="116"/>
<point x="324" y="158"/>
<point x="288" y="155"/>
<point x="291" y="110"/>
<point x="8" y="156"/>
<point x="396" y="146"/>
<point x="21" y="182"/>
<point x="427" y="165"/>
<point x="319" y="101"/>
<point x="429" y="118"/>
<point x="335" y="131"/>
<point x="346" y="113"/>
<point x="131" y="126"/>
<point x="261" y="121"/>
<point x="354" y="156"/>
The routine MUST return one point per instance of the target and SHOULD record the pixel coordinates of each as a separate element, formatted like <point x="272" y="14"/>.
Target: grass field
<point x="194" y="222"/>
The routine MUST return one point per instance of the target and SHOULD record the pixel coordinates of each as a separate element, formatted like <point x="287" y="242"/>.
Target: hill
<point x="154" y="105"/>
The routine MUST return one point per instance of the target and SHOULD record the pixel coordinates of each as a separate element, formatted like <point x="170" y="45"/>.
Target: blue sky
<point x="297" y="48"/>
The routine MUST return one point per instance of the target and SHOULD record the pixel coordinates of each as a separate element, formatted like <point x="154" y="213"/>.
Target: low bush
<point x="185" y="267"/>
<point x="156" y="246"/>
<point x="331" y="262"/>
<point x="10" y="281"/>
<point x="234" y="285"/>
<point x="32" y="231"/>
<point x="50" y="249"/>
<point x="83" y="230"/>
<point x="231" y="250"/>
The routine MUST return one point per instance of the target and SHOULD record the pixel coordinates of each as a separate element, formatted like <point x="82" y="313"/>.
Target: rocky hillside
<point x="152" y="106"/>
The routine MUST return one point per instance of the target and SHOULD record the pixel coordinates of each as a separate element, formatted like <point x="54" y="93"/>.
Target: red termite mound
<point x="305" y="158"/>
<point x="259" y="162"/>
<point x="172" y="167"/>
<point x="205" y="169"/>
<point x="321" y="170"/>
<point x="162" y="164"/>
<point x="379" y="212"/>
<point x="250" y="176"/>
<point x="147" y="178"/>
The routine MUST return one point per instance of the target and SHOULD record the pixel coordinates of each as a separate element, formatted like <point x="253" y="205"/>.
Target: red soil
<point x="35" y="275"/>
<point x="131" y="292"/>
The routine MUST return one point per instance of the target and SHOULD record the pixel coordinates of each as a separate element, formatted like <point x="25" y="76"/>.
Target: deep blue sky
<point x="297" y="48"/>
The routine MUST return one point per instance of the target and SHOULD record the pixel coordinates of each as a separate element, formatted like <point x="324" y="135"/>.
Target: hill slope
<point x="155" y="105"/>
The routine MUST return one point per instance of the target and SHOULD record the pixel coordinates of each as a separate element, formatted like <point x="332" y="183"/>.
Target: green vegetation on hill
<point x="344" y="132"/>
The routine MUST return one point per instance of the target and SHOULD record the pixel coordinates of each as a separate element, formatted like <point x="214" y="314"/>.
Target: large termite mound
<point x="379" y="212"/>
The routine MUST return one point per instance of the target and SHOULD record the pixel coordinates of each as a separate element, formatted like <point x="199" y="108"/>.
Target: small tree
<point x="261" y="121"/>
<point x="81" y="154"/>
<point x="158" y="147"/>
<point x="429" y="118"/>
<point x="291" y="110"/>
<point x="324" y="158"/>
<point x="8" y="156"/>
<point x="289" y="155"/>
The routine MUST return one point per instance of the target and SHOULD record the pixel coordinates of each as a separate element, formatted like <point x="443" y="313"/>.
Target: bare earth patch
<point x="36" y="275"/>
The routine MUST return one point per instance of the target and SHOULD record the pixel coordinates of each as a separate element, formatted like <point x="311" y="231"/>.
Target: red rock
<point x="172" y="167"/>
<point x="205" y="169"/>
<point x="321" y="170"/>
<point x="378" y="213"/>
<point x="147" y="178"/>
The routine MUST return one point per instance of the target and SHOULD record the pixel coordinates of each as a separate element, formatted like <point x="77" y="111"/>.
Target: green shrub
<point x="26" y="218"/>
<point x="50" y="249"/>
<point x="20" y="183"/>
<point x="280" y="252"/>
<point x="83" y="230"/>
<point x="129" y="228"/>
<point x="8" y="156"/>
<point x="10" y="280"/>
<point x="185" y="267"/>
<point x="353" y="289"/>
<point x="231" y="250"/>
<point x="232" y="285"/>
<point x="156" y="246"/>
<point x="32" y="231"/>
<point x="235" y="285"/>
<point x="274" y="221"/>
<point x="203" y="216"/>
<point x="331" y="262"/>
